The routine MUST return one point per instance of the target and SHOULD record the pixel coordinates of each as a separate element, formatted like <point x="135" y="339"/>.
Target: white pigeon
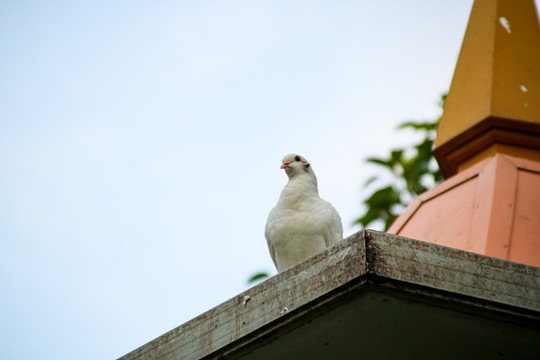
<point x="301" y="224"/>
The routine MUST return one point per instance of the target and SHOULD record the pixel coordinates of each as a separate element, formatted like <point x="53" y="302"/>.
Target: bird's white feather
<point x="301" y="224"/>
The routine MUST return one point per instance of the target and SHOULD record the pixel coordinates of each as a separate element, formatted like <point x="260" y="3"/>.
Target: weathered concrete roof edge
<point x="453" y="271"/>
<point x="363" y="258"/>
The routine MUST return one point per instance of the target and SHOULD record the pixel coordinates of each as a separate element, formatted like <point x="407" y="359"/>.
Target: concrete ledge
<point x="453" y="271"/>
<point x="341" y="284"/>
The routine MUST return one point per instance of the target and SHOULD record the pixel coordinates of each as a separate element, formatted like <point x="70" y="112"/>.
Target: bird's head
<point x="295" y="164"/>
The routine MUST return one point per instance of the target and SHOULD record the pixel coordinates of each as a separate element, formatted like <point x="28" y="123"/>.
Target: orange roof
<point x="492" y="208"/>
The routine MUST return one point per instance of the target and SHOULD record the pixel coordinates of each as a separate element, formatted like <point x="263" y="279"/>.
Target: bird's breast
<point x="298" y="219"/>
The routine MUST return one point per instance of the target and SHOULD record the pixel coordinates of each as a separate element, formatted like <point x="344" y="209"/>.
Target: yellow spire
<point x="493" y="105"/>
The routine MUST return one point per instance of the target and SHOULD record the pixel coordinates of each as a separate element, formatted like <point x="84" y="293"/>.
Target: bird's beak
<point x="285" y="165"/>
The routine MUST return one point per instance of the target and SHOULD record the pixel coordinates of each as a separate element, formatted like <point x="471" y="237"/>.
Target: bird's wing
<point x="272" y="253"/>
<point x="268" y="235"/>
<point x="333" y="230"/>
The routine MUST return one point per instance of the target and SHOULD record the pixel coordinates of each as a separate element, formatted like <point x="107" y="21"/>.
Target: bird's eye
<point x="297" y="158"/>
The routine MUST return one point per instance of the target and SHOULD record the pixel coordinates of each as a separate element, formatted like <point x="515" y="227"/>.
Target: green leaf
<point x="425" y="126"/>
<point x="371" y="180"/>
<point x="378" y="161"/>
<point x="379" y="206"/>
<point x="396" y="156"/>
<point x="258" y="276"/>
<point x="384" y="196"/>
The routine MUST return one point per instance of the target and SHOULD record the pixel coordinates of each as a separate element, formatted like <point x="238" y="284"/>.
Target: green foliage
<point x="412" y="170"/>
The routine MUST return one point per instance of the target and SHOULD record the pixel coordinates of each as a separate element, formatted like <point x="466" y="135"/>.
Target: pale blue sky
<point x="140" y="144"/>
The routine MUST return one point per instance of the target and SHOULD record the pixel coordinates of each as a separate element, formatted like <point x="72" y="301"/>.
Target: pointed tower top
<point x="489" y="137"/>
<point x="493" y="105"/>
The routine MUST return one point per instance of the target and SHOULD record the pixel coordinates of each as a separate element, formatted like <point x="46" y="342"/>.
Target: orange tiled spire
<point x="493" y="104"/>
<point x="488" y="142"/>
